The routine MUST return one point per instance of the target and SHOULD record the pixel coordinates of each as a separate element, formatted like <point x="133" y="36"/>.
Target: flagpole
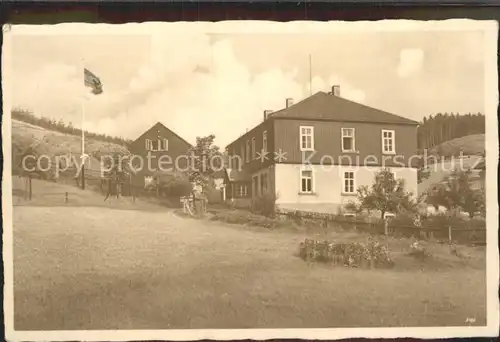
<point x="83" y="134"/>
<point x="310" y="75"/>
<point x="83" y="145"/>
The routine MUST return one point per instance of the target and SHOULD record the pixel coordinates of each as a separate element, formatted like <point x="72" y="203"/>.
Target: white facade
<point x="328" y="185"/>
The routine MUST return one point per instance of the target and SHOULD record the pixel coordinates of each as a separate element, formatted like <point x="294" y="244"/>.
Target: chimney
<point x="289" y="102"/>
<point x="336" y="90"/>
<point x="267" y="113"/>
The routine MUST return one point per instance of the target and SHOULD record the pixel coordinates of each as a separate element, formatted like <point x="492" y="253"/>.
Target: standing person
<point x="109" y="189"/>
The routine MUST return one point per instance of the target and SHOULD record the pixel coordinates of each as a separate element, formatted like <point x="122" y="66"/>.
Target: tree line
<point x="62" y="127"/>
<point x="433" y="130"/>
<point x="438" y="128"/>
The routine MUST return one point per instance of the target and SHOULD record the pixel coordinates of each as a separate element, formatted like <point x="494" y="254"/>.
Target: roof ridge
<point x="373" y="108"/>
<point x="297" y="103"/>
<point x="326" y="99"/>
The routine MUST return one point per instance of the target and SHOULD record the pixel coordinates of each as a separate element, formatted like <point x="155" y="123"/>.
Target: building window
<point x="388" y="142"/>
<point x="253" y="148"/>
<point x="263" y="183"/>
<point x="306" y="185"/>
<point x="255" y="185"/>
<point x="349" y="187"/>
<point x="264" y="142"/>
<point x="348" y="140"/>
<point x="234" y="161"/>
<point x="241" y="190"/>
<point x="242" y="154"/>
<point x="247" y="155"/>
<point x="153" y="145"/>
<point x="306" y="138"/>
<point x="163" y="144"/>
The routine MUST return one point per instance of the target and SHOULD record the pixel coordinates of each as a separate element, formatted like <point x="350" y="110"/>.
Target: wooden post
<point x="83" y="175"/>
<point x="66" y="197"/>
<point x="449" y="234"/>
<point x="386" y="227"/>
<point x="30" y="188"/>
<point x="26" y="187"/>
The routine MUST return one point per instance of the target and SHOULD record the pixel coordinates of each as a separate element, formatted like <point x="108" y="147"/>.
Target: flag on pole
<point x="93" y="82"/>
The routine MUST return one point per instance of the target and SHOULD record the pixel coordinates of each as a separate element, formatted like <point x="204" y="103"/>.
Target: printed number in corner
<point x="470" y="320"/>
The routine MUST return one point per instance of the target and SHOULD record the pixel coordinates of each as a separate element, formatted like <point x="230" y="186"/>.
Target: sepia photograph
<point x="250" y="180"/>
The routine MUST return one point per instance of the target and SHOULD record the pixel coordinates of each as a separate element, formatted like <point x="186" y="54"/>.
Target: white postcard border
<point x="491" y="99"/>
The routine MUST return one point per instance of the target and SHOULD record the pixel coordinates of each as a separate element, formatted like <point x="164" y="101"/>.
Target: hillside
<point x="470" y="144"/>
<point x="52" y="143"/>
<point x="472" y="147"/>
<point x="440" y="171"/>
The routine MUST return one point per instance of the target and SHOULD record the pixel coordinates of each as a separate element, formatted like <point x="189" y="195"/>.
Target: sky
<point x="202" y="82"/>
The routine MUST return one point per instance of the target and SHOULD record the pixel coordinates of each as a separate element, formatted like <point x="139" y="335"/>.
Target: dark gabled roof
<point x="218" y="174"/>
<point x="166" y="128"/>
<point x="237" y="175"/>
<point x="325" y="106"/>
<point x="481" y="165"/>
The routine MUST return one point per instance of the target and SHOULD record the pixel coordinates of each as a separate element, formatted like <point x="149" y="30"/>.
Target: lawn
<point x="52" y="194"/>
<point x="101" y="268"/>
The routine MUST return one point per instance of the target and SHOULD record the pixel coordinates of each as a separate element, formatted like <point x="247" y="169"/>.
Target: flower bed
<point x="367" y="255"/>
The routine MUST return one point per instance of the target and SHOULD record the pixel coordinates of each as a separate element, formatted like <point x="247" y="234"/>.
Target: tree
<point x="205" y="160"/>
<point x="173" y="185"/>
<point x="387" y="194"/>
<point x="423" y="171"/>
<point x="456" y="194"/>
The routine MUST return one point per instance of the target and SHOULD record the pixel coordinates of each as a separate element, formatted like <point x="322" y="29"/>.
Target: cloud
<point x="226" y="99"/>
<point x="410" y="62"/>
<point x="195" y="89"/>
<point x="347" y="90"/>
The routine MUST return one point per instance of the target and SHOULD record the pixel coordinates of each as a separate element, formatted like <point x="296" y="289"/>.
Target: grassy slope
<point x="470" y="144"/>
<point x="438" y="172"/>
<point x="54" y="143"/>
<point x="97" y="268"/>
<point x="48" y="194"/>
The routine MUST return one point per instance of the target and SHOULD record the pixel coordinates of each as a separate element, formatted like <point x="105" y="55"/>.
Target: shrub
<point x="418" y="251"/>
<point x="372" y="253"/>
<point x="405" y="224"/>
<point x="214" y="196"/>
<point x="264" y="205"/>
<point x="478" y="223"/>
<point x="244" y="217"/>
<point x="172" y="186"/>
<point x="444" y="221"/>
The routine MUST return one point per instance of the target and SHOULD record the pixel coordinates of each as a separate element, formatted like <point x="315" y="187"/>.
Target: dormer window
<point x="157" y="145"/>
<point x="163" y="144"/>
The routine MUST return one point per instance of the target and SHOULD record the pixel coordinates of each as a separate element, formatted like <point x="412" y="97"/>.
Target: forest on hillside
<point x="62" y="127"/>
<point x="433" y="130"/>
<point x="436" y="129"/>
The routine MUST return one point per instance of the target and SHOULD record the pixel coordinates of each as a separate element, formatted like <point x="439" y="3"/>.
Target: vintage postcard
<point x="250" y="180"/>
